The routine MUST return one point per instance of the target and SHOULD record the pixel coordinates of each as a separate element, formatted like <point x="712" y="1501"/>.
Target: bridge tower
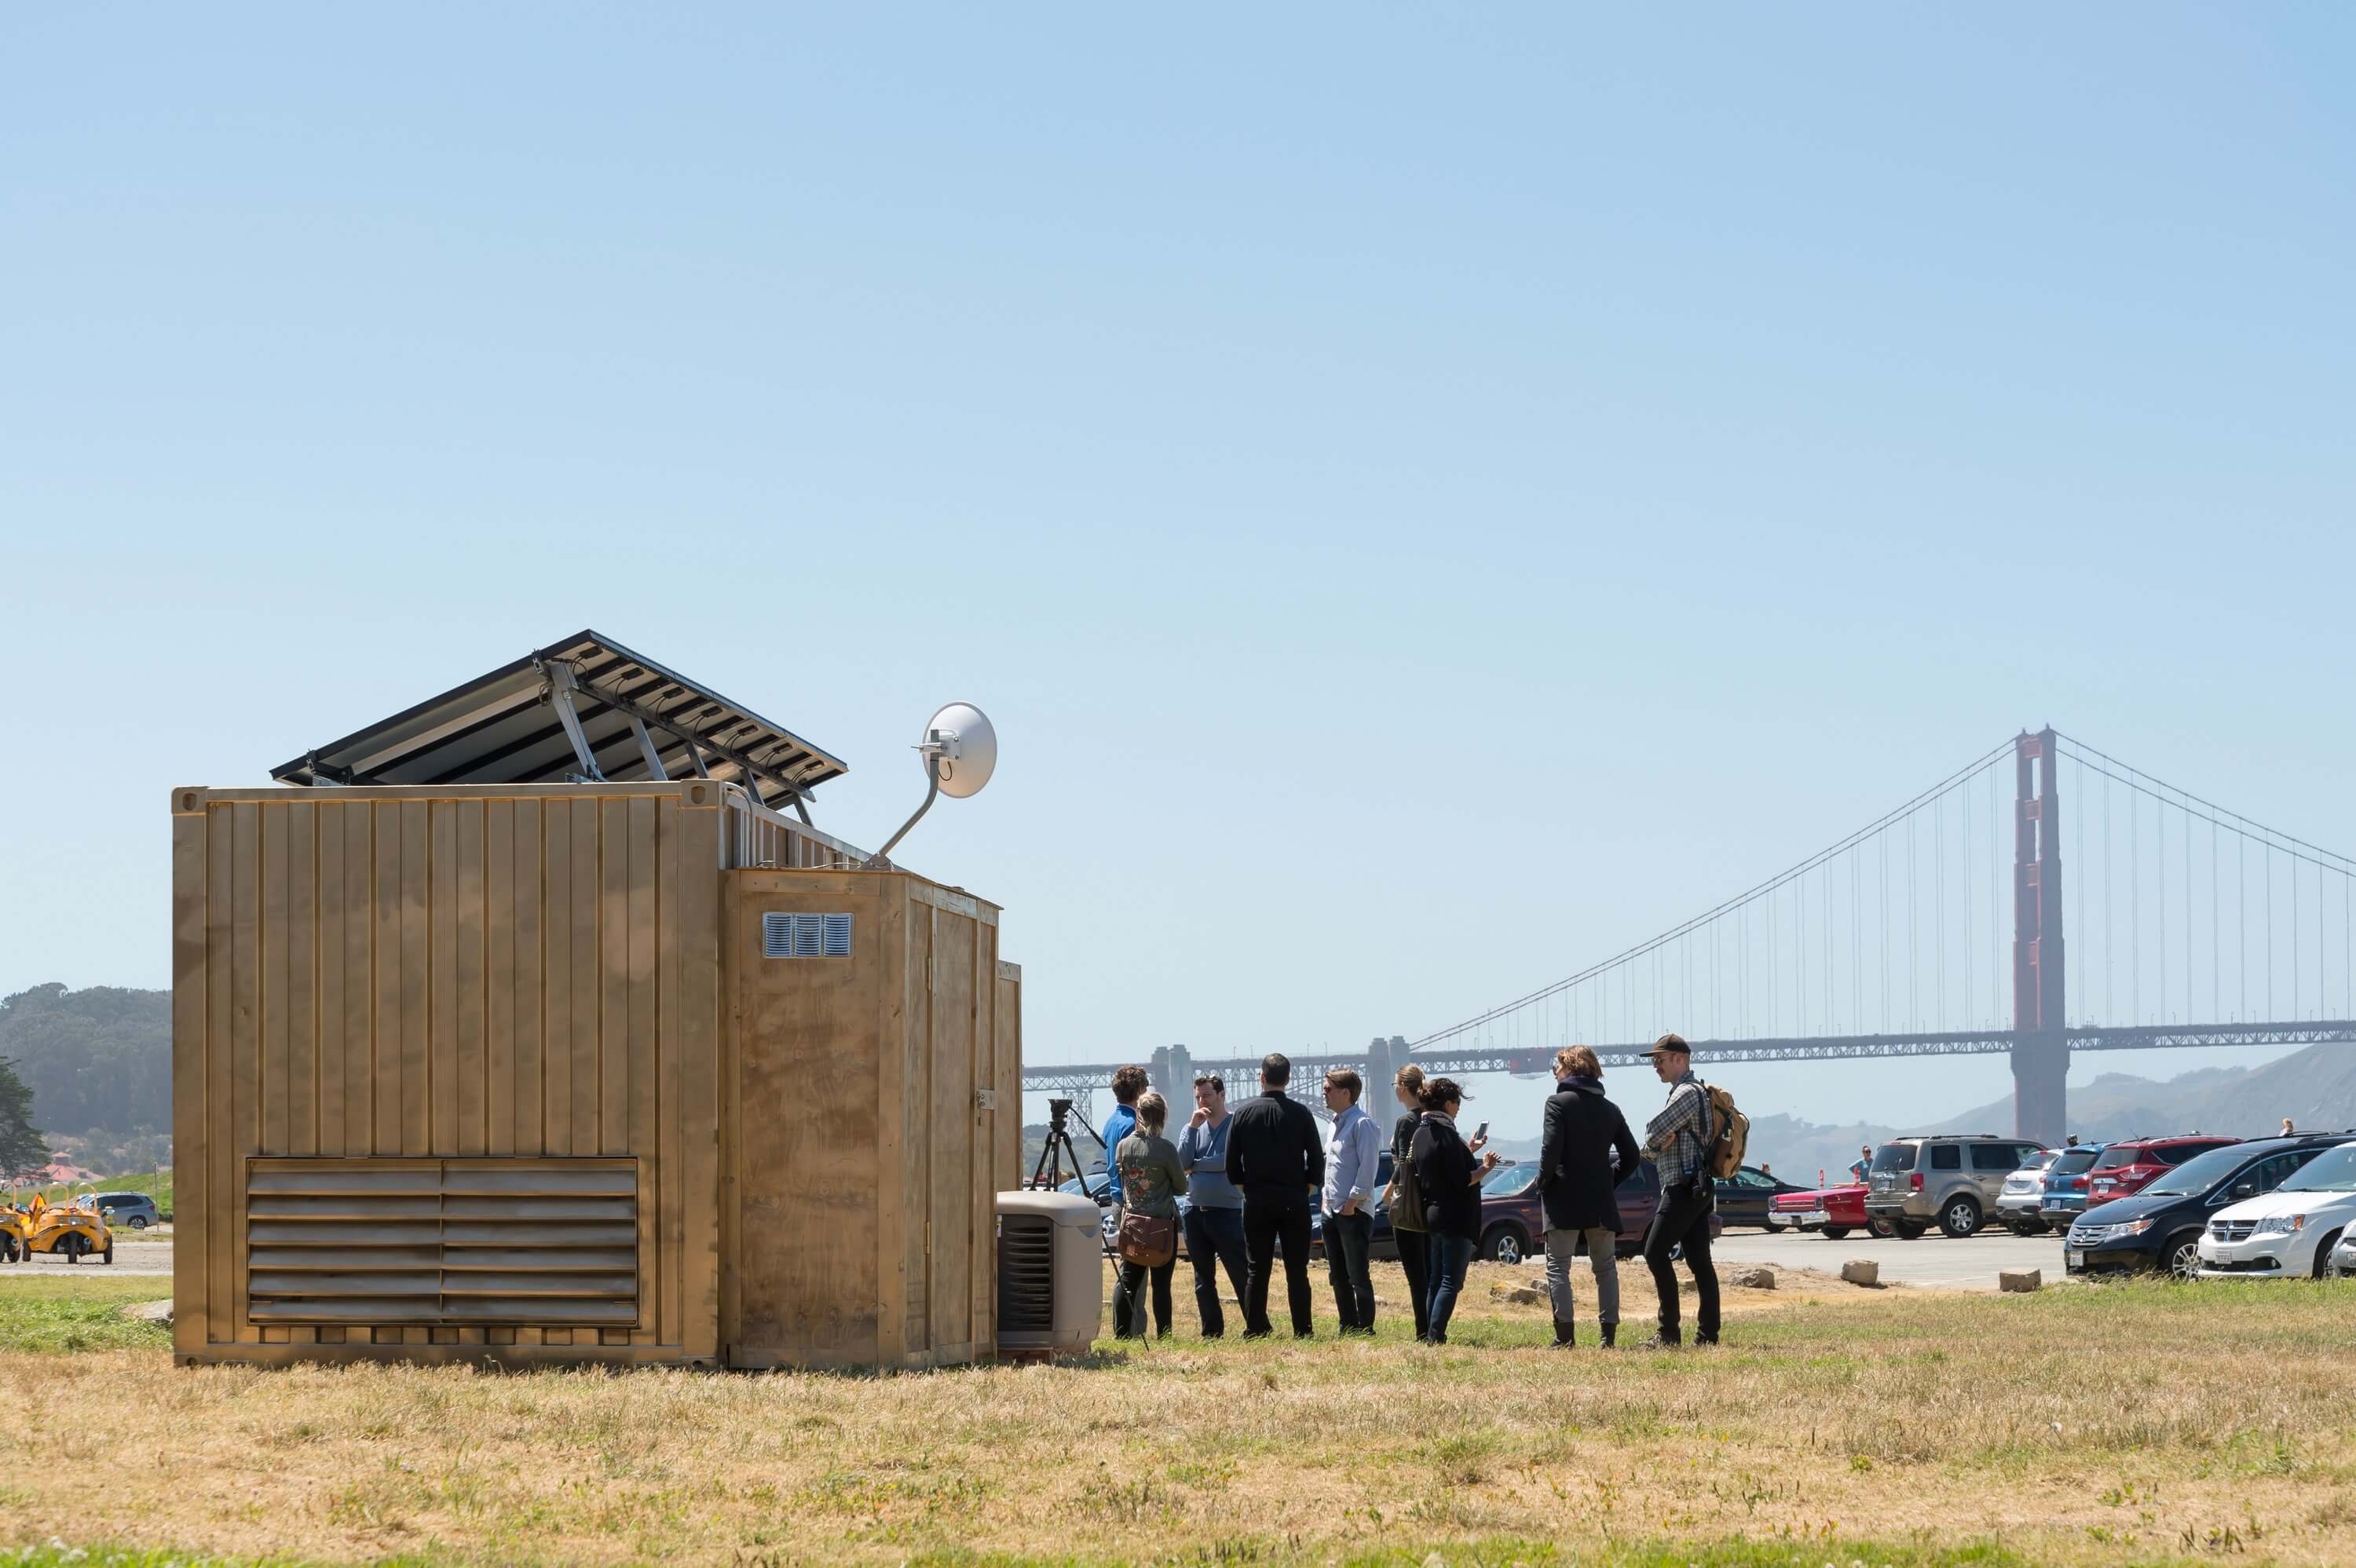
<point x="2040" y="1051"/>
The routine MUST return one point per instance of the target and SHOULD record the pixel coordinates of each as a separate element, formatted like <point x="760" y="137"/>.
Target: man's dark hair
<point x="1129" y="1082"/>
<point x="1276" y="1069"/>
<point x="1213" y="1079"/>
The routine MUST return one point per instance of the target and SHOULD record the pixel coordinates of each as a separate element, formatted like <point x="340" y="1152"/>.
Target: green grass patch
<point x="55" y="1316"/>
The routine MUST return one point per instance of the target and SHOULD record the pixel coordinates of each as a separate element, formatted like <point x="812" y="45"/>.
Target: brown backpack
<point x="1731" y="1134"/>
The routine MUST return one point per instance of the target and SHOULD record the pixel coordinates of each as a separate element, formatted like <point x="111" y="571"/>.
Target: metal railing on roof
<point x="755" y="836"/>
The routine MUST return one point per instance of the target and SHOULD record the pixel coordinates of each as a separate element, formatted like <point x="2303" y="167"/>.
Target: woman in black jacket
<point x="1586" y="1152"/>
<point x="1450" y="1181"/>
<point x="1406" y="1218"/>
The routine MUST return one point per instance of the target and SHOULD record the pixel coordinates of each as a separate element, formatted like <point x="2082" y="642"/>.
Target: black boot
<point x="1566" y="1333"/>
<point x="1665" y="1339"/>
<point x="1609" y="1329"/>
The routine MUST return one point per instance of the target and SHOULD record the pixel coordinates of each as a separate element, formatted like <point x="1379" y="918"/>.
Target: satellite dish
<point x="964" y="748"/>
<point x="960" y="752"/>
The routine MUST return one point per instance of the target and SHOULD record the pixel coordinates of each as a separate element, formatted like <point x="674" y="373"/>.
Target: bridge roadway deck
<point x="1053" y="1077"/>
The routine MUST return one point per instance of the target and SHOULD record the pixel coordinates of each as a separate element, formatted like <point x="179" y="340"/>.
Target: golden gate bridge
<point x="2186" y="925"/>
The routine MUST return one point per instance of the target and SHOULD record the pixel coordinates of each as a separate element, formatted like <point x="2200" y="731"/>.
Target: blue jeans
<point x="1214" y="1240"/>
<point x="1450" y="1257"/>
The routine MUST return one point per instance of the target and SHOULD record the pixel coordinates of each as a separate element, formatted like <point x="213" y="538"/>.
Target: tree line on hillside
<point x="93" y="1065"/>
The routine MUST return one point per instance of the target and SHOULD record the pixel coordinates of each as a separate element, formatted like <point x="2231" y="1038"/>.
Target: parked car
<point x="2062" y="1196"/>
<point x="2017" y="1206"/>
<point x="2160" y="1228"/>
<point x="1748" y="1197"/>
<point x="1512" y="1219"/>
<point x="1835" y="1210"/>
<point x="135" y="1209"/>
<point x="2128" y="1166"/>
<point x="1952" y="1180"/>
<point x="2289" y="1232"/>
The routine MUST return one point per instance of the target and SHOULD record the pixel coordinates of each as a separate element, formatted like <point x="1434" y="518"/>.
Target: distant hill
<point x="98" y="1063"/>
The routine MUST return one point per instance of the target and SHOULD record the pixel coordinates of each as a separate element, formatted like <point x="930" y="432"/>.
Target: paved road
<point x="1932" y="1261"/>
<point x="135" y="1258"/>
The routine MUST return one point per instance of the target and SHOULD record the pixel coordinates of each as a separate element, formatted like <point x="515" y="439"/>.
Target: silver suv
<point x="1949" y="1179"/>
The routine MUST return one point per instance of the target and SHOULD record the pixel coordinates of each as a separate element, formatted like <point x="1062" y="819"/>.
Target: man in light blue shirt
<point x="1214" y="1205"/>
<point x="1352" y="1168"/>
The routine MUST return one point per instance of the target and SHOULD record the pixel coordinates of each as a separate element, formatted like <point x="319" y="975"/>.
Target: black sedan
<point x="1745" y="1197"/>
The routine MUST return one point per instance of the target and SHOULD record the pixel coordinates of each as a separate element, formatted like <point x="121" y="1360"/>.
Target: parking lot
<point x="1934" y="1259"/>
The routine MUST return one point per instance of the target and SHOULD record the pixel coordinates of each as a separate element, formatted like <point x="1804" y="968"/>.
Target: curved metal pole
<point x="932" y="772"/>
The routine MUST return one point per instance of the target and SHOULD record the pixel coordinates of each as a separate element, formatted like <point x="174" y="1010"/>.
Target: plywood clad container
<point x="873" y="1093"/>
<point x="450" y="1066"/>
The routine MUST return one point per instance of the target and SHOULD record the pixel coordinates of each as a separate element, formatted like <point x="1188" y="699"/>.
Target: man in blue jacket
<point x="1128" y="1083"/>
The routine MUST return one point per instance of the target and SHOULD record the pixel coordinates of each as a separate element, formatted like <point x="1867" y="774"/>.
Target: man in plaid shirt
<point x="1677" y="1139"/>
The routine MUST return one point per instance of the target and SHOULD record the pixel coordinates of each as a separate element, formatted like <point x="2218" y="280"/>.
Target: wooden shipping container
<point x="508" y="1072"/>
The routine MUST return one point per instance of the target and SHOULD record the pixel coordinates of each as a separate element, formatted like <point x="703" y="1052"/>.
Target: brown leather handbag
<point x="1147" y="1240"/>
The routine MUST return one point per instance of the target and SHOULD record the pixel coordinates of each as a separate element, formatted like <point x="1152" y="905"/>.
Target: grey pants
<point x="1602" y="1255"/>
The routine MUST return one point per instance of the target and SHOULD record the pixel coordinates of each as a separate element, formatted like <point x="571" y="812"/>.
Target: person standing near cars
<point x="1405" y="1200"/>
<point x="1214" y="1205"/>
<point x="1863" y="1166"/>
<point x="1150" y="1181"/>
<point x="1128" y="1083"/>
<point x="1450" y="1180"/>
<point x="1584" y="1152"/>
<point x="1353" y="1159"/>
<point x="1275" y="1155"/>
<point x="1679" y="1138"/>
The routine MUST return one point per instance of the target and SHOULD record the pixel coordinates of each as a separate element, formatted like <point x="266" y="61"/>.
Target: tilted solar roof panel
<point x="509" y="727"/>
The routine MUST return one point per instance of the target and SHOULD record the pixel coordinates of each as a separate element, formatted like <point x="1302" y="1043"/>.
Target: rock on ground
<point x="1520" y="1295"/>
<point x="1755" y="1278"/>
<point x="2023" y="1279"/>
<point x="1861" y="1271"/>
<point x="157" y="1312"/>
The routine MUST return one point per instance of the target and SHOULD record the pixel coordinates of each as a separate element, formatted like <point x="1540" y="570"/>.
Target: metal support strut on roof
<point x="561" y="686"/>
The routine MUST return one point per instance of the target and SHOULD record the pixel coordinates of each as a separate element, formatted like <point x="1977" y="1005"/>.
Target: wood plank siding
<point x="462" y="973"/>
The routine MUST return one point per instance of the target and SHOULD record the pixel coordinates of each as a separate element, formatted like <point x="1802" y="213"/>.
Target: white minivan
<point x="2289" y="1232"/>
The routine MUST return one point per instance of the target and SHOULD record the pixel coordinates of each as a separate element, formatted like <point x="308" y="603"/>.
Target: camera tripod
<point x="1049" y="1172"/>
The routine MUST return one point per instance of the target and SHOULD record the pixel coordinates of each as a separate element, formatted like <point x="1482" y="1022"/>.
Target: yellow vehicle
<point x="71" y="1231"/>
<point x="16" y="1230"/>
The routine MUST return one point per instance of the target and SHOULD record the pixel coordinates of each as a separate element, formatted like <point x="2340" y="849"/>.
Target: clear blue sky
<point x="1428" y="496"/>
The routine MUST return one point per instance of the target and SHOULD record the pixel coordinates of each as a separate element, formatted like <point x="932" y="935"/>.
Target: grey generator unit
<point x="1050" y="1272"/>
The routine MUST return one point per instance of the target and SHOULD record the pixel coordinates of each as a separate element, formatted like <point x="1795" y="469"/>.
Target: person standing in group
<point x="1403" y="1199"/>
<point x="1450" y="1180"/>
<point x="1585" y="1151"/>
<point x="1151" y="1180"/>
<point x="1128" y="1083"/>
<point x="1679" y="1138"/>
<point x="1354" y="1159"/>
<point x="1214" y="1205"/>
<point x="1275" y="1155"/>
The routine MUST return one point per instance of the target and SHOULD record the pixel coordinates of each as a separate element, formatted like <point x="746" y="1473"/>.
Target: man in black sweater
<point x="1276" y="1157"/>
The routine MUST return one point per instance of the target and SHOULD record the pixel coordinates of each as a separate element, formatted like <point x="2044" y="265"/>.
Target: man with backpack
<point x="1682" y="1138"/>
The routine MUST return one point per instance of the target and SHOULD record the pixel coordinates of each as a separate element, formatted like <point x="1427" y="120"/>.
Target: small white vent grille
<point x="805" y="935"/>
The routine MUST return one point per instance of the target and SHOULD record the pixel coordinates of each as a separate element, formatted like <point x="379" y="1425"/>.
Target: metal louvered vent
<point x="443" y="1241"/>
<point x="1026" y="1274"/>
<point x="805" y="935"/>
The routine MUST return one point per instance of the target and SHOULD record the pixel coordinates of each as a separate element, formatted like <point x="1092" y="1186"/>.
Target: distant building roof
<point x="583" y="707"/>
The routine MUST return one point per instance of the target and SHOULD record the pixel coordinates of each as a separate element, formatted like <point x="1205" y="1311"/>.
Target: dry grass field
<point x="2119" y="1423"/>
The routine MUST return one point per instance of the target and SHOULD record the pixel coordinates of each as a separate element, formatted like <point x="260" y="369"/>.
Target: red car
<point x="1512" y="1219"/>
<point x="1835" y="1210"/>
<point x="2123" y="1170"/>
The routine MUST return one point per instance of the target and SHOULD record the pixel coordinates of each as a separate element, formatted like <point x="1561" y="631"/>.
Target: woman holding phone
<point x="1448" y="1178"/>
